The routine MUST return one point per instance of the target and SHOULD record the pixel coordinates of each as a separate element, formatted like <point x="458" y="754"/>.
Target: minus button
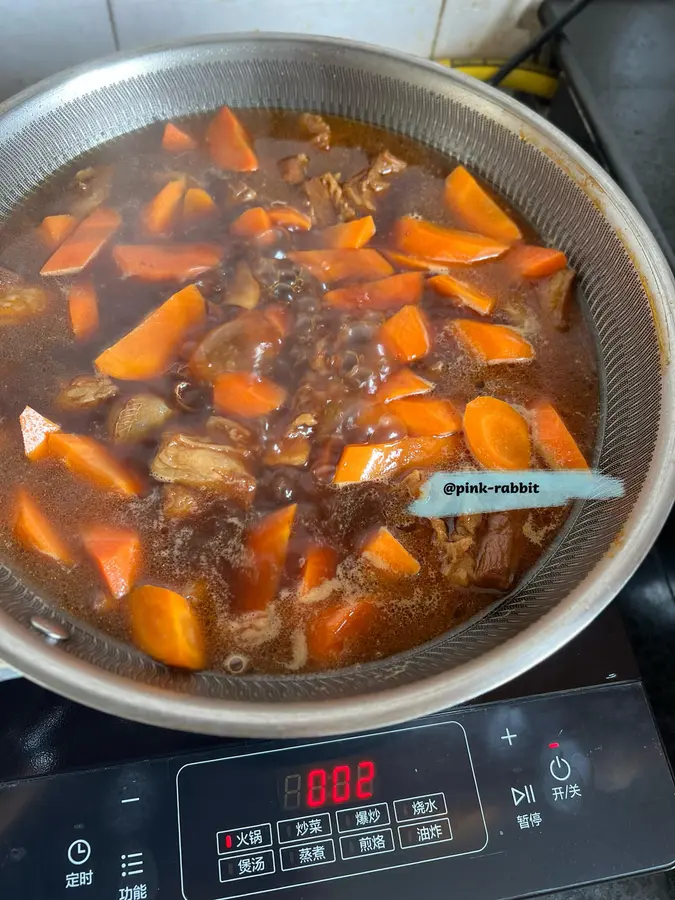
<point x="130" y="800"/>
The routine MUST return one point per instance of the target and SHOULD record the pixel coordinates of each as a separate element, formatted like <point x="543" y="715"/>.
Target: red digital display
<point x="330" y="785"/>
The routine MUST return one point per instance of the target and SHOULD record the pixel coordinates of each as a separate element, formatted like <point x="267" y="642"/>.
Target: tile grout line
<point x="439" y="19"/>
<point x="113" y="24"/>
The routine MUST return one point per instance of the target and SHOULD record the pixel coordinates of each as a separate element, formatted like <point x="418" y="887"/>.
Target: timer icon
<point x="79" y="852"/>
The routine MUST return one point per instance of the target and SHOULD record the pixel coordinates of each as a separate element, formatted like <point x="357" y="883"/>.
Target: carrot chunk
<point x="246" y="395"/>
<point x="476" y="209"/>
<point x="428" y="241"/>
<point x="150" y="348"/>
<point x="34" y="531"/>
<point x="492" y="343"/>
<point x="228" y="143"/>
<point x="331" y="266"/>
<point x="55" y="229"/>
<point x="175" y="140"/>
<point x="85" y="457"/>
<point x="165" y="626"/>
<point x="84" y="244"/>
<point x="279" y="316"/>
<point x="496" y="434"/>
<point x="384" y="551"/>
<point x="403" y="261"/>
<point x="406" y="334"/>
<point x="386" y="293"/>
<point x="368" y="462"/>
<point x="463" y="294"/>
<point x="348" y="235"/>
<point x="332" y="631"/>
<point x="289" y="218"/>
<point x="34" y="431"/>
<point x="117" y="553"/>
<point x="159" y="216"/>
<point x="166" y="262"/>
<point x="553" y="440"/>
<point x="267" y="547"/>
<point x="319" y="566"/>
<point x="254" y="224"/>
<point x="83" y="309"/>
<point x="426" y="416"/>
<point x="536" y="262"/>
<point x="197" y="205"/>
<point x="404" y="383"/>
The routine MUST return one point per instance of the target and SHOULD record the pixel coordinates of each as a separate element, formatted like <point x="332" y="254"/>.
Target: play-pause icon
<point x="526" y="795"/>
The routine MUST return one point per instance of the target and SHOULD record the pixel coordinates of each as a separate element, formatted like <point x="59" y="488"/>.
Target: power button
<point x="560" y="769"/>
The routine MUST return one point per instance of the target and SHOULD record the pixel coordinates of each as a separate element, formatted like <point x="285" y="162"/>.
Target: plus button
<point x="509" y="737"/>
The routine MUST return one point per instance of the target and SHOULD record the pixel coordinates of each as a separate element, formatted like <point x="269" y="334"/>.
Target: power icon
<point x="560" y="769"/>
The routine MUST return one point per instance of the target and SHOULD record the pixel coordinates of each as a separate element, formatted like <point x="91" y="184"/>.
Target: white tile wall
<point x="485" y="28"/>
<point x="41" y="37"/>
<point x="408" y="25"/>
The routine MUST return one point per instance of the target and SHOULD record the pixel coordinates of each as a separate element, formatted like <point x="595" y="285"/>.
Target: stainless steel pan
<point x="629" y="294"/>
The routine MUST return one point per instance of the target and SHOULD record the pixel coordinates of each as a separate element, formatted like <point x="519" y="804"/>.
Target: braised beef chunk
<point x="500" y="550"/>
<point x="317" y="126"/>
<point x="323" y="211"/>
<point x="86" y="392"/>
<point x="294" y="168"/>
<point x="362" y="190"/>
<point x="273" y="377"/>
<point x="197" y="462"/>
<point x="556" y="294"/>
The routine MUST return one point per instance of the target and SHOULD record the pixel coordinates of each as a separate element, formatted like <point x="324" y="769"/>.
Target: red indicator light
<point x="553" y="746"/>
<point x="228" y="841"/>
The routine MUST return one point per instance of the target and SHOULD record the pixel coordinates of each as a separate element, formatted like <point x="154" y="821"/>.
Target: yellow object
<point x="530" y="81"/>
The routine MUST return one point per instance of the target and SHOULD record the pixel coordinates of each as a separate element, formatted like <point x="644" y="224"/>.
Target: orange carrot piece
<point x="279" y="316"/>
<point x="319" y="566"/>
<point x="463" y="294"/>
<point x="246" y="395"/>
<point x="406" y="334"/>
<point x="332" y="631"/>
<point x="254" y="224"/>
<point x="166" y="262"/>
<point x="165" y="626"/>
<point x="228" y="143"/>
<point x="159" y="215"/>
<point x="34" y="431"/>
<point x="368" y="462"/>
<point x="331" y="266"/>
<point x="84" y="244"/>
<point x="447" y="245"/>
<point x="267" y="547"/>
<point x="348" y="235"/>
<point x="536" y="262"/>
<point x="496" y="434"/>
<point x="492" y="344"/>
<point x="148" y="350"/>
<point x="83" y="309"/>
<point x="175" y="140"/>
<point x="197" y="205"/>
<point x="289" y="218"/>
<point x="55" y="229"/>
<point x="34" y="531"/>
<point x="386" y="293"/>
<point x="426" y="416"/>
<point x="476" y="209"/>
<point x="553" y="440"/>
<point x="85" y="457"/>
<point x="384" y="551"/>
<point x="117" y="553"/>
<point x="404" y="383"/>
<point x="403" y="261"/>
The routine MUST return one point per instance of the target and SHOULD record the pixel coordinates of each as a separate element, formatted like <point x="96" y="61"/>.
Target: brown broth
<point x="206" y="550"/>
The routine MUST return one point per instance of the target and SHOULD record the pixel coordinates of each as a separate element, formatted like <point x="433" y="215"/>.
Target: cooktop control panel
<point x="500" y="800"/>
